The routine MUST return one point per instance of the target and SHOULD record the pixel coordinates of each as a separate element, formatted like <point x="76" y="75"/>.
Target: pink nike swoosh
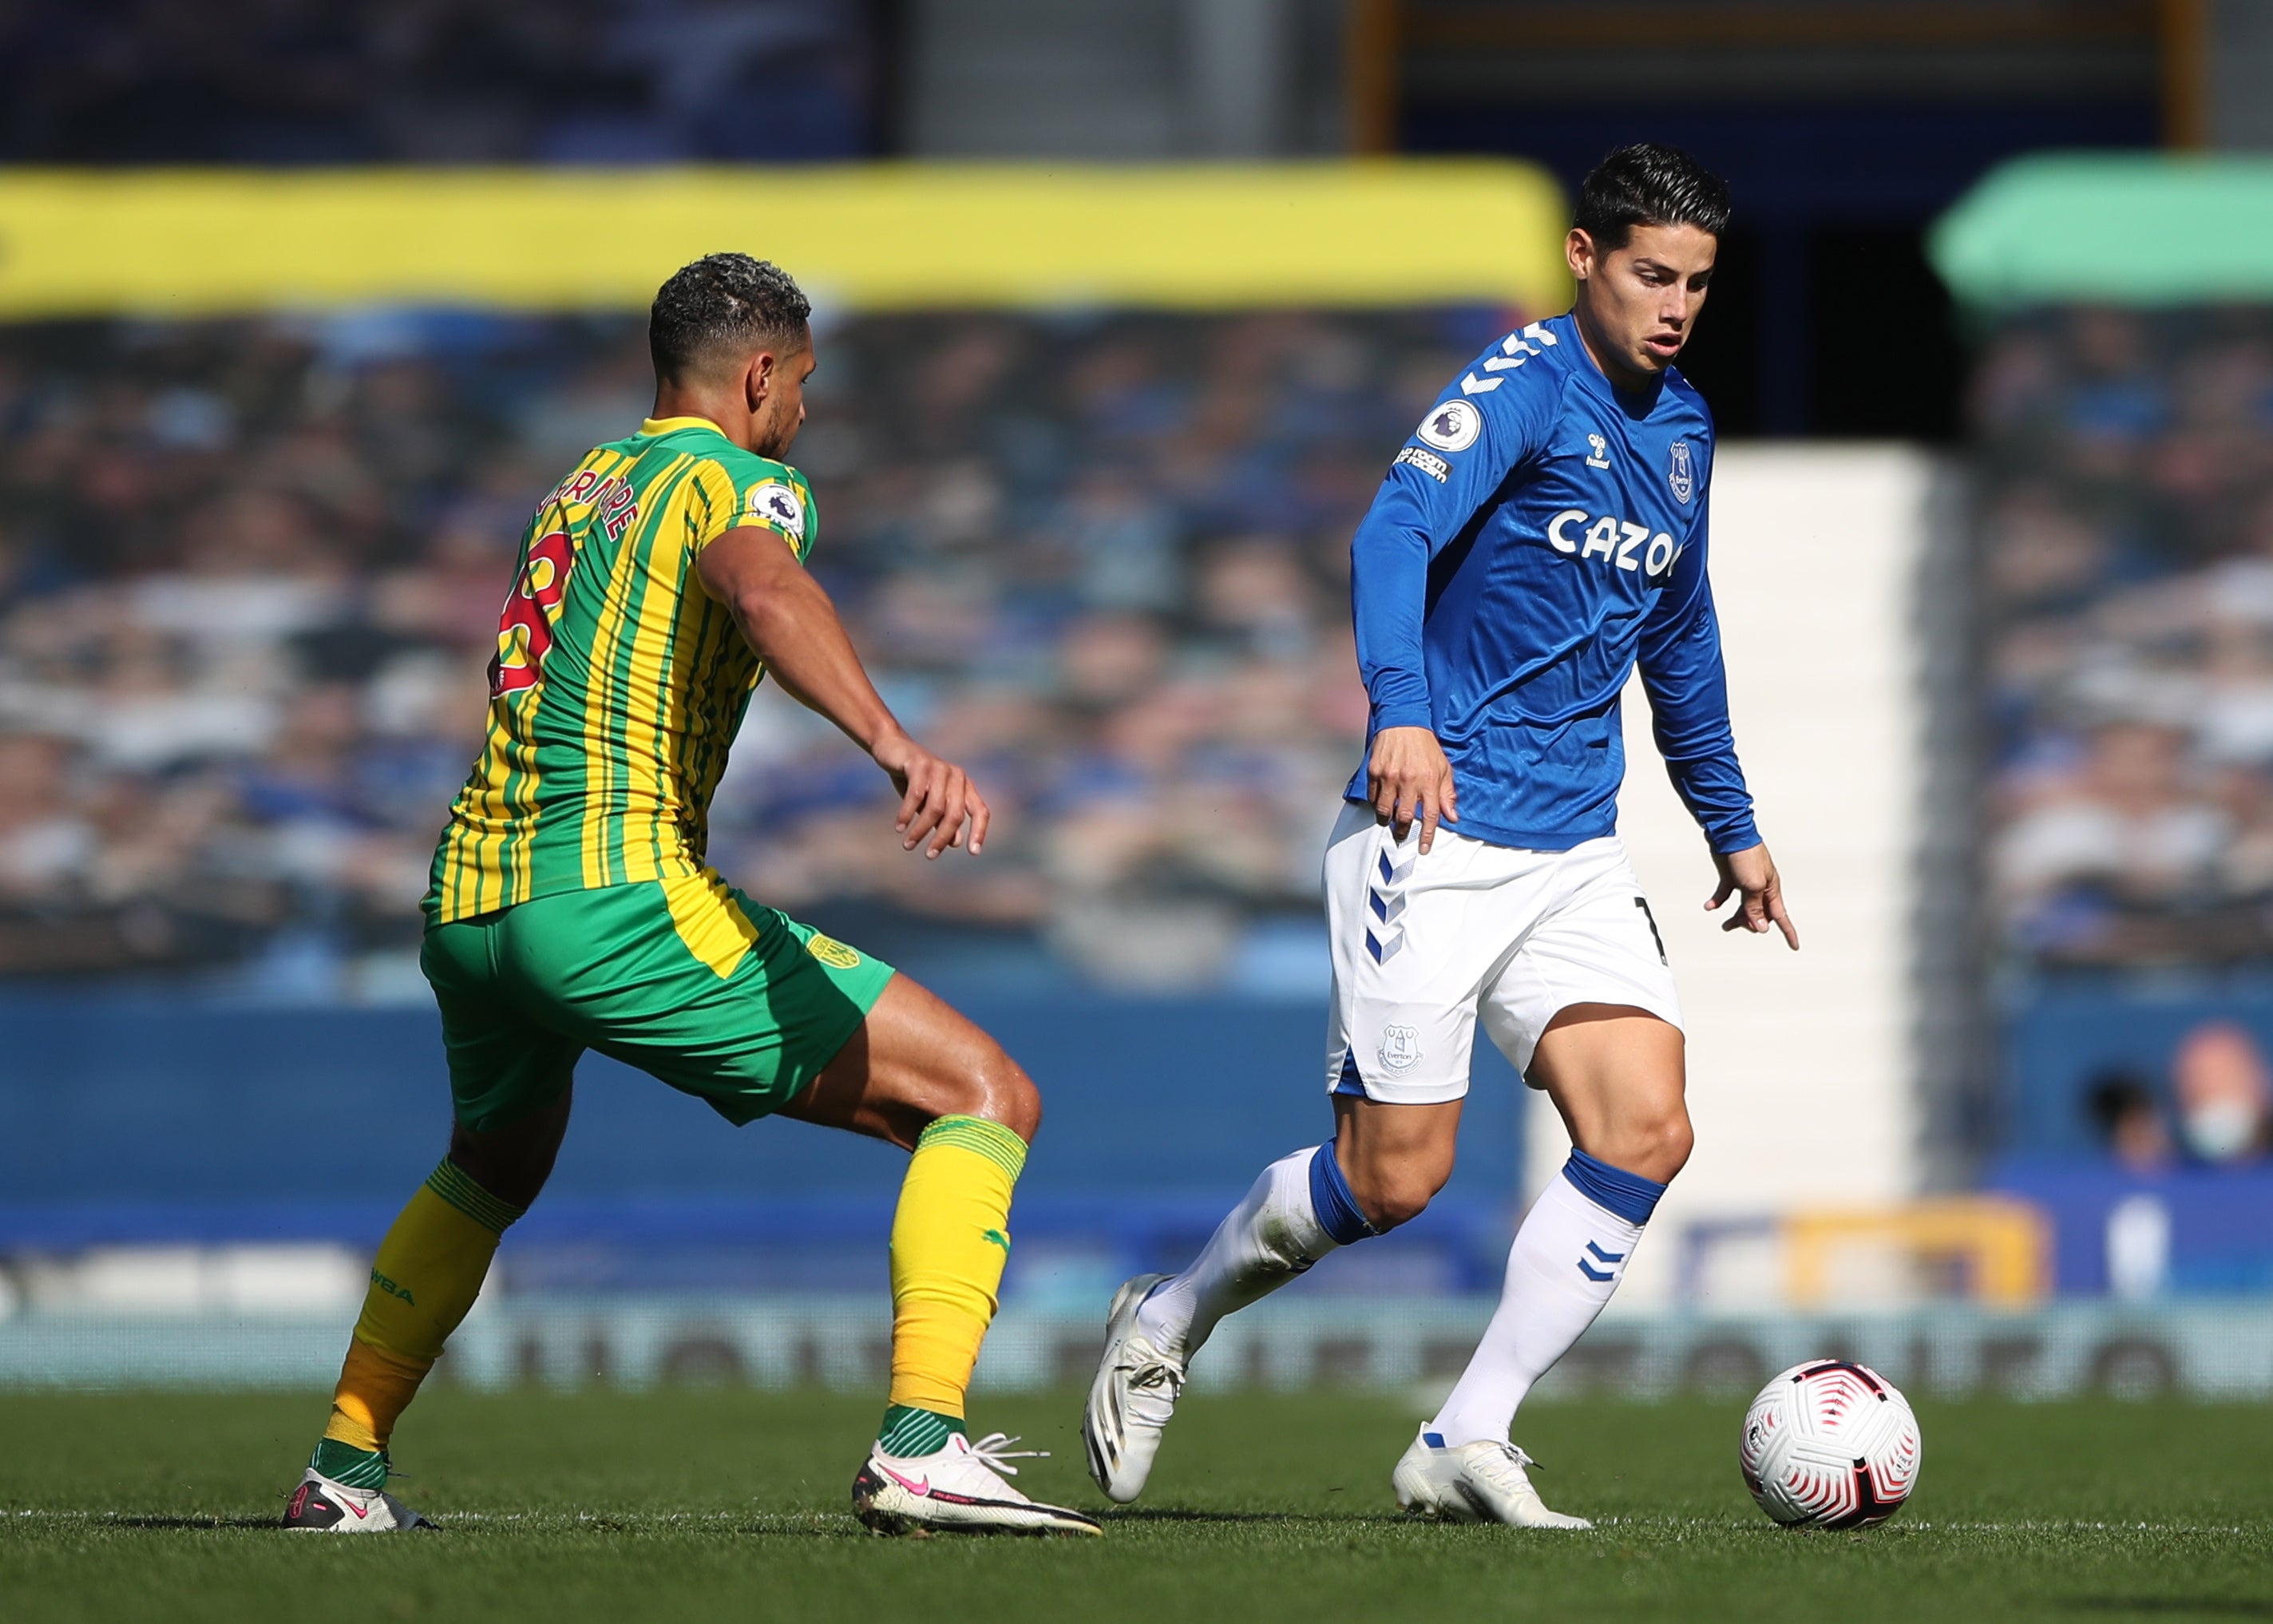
<point x="914" y="1485"/>
<point x="359" y="1511"/>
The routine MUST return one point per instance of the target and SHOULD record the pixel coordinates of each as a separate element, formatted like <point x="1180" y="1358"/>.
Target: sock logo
<point x="392" y="1289"/>
<point x="1611" y="1258"/>
<point x="995" y="1237"/>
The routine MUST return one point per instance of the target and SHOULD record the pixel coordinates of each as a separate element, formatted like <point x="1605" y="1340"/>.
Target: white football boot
<point x="960" y="1489"/>
<point x="1131" y="1399"/>
<point x="1480" y="1482"/>
<point x="321" y="1505"/>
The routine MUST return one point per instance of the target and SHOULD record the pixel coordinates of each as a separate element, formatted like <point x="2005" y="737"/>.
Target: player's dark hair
<point x="1646" y="184"/>
<point x="724" y="301"/>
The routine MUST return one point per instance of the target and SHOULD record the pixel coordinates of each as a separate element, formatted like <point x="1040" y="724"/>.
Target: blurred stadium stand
<point x="1090" y="521"/>
<point x="2123" y="423"/>
<point x="1098" y="552"/>
<point x="437" y="81"/>
<point x="247" y="587"/>
<point x="2127" y="512"/>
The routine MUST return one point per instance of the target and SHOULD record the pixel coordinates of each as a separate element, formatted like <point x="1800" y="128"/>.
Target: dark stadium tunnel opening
<point x="1830" y="332"/>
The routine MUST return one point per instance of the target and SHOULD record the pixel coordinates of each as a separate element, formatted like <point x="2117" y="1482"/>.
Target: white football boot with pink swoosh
<point x="321" y="1505"/>
<point x="961" y="1489"/>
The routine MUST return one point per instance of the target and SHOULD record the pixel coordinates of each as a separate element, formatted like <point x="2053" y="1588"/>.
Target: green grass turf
<point x="560" y="1508"/>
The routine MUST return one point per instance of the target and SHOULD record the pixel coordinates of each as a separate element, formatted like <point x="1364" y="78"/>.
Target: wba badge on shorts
<point x="832" y="952"/>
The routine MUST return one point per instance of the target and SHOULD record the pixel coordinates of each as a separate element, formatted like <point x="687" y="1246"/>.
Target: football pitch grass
<point x="562" y="1507"/>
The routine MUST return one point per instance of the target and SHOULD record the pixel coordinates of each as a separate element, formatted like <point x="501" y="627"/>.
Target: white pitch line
<point x="791" y="1521"/>
<point x="555" y="1519"/>
<point x="2038" y="1526"/>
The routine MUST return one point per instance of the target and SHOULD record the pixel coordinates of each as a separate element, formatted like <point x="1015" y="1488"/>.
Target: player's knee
<point x="513" y="1161"/>
<point x="512" y="1173"/>
<point x="998" y="1088"/>
<point x="1390" y="1195"/>
<point x="1675" y="1138"/>
<point x="1657" y="1145"/>
<point x="1020" y="1108"/>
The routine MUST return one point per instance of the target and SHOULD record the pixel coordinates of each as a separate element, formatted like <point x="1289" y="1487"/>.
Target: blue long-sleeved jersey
<point x="1541" y="534"/>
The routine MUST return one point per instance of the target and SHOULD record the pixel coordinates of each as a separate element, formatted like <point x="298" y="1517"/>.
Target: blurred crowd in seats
<point x="2127" y="515"/>
<point x="250" y="574"/>
<point x="428" y="81"/>
<point x="2215" y="1111"/>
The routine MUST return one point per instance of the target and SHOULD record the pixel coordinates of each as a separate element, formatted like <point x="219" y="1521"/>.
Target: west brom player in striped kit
<point x="1542" y="535"/>
<point x="574" y="908"/>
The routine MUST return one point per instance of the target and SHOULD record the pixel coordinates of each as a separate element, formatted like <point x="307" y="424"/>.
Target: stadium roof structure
<point x="2112" y="228"/>
<point x="178" y="243"/>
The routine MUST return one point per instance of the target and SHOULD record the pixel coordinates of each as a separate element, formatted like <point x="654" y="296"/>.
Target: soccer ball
<point x="1830" y="1444"/>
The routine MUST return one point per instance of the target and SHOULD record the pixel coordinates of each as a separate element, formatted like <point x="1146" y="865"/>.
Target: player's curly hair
<point x="724" y="301"/>
<point x="1646" y="184"/>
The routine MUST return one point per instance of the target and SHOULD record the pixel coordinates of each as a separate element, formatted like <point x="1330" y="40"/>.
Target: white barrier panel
<point x="2208" y="1350"/>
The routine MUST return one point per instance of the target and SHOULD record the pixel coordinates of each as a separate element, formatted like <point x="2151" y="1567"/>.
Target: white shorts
<point x="1423" y="945"/>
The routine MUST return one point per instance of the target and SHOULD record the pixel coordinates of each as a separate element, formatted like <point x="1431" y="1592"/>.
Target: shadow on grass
<point x="269" y="1524"/>
<point x="2192" y="1606"/>
<point x="1291" y="1519"/>
<point x="732" y="1525"/>
<point x="724" y="1526"/>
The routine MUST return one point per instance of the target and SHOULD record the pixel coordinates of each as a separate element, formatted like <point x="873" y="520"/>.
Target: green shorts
<point x="688" y="979"/>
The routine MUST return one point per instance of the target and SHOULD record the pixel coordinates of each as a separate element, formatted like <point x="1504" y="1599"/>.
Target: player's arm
<point x="1431" y="491"/>
<point x="1687" y="682"/>
<point x="1406" y="776"/>
<point x="789" y="621"/>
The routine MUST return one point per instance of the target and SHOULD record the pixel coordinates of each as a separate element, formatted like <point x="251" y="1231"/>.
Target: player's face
<point x="1641" y="301"/>
<point x="782" y="413"/>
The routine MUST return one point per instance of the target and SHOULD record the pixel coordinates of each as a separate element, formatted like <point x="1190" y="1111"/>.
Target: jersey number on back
<point x="525" y="629"/>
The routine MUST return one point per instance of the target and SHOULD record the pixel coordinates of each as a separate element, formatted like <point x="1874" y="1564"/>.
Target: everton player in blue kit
<point x="1542" y="535"/>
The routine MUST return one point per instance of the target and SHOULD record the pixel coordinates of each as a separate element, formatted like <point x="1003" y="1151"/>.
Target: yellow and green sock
<point x="428" y="1272"/>
<point x="951" y="1238"/>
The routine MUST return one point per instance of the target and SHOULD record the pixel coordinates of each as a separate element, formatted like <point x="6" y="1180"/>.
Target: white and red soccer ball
<point x="1830" y="1444"/>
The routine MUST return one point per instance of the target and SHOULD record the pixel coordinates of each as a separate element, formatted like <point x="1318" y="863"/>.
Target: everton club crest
<point x="1681" y="474"/>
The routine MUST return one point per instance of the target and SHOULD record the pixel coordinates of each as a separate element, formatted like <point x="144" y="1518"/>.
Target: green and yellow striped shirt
<point x="619" y="681"/>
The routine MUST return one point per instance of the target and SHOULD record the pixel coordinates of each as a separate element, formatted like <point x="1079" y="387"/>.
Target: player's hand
<point x="940" y="806"/>
<point x="1753" y="873"/>
<point x="1410" y="782"/>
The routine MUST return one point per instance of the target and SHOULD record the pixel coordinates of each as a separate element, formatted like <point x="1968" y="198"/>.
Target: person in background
<point x="2129" y="1120"/>
<point x="2224" y="1094"/>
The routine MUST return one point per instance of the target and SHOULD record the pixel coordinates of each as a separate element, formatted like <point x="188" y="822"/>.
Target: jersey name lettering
<point x="1614" y="541"/>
